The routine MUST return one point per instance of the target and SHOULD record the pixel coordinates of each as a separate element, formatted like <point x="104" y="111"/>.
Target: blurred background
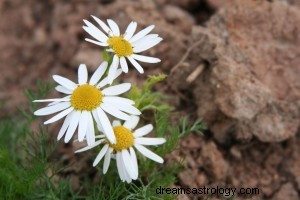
<point x="235" y="64"/>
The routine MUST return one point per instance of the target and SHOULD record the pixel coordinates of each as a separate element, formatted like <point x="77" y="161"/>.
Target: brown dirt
<point x="241" y="75"/>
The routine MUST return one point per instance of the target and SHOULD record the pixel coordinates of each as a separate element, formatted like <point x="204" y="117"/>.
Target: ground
<point x="236" y="66"/>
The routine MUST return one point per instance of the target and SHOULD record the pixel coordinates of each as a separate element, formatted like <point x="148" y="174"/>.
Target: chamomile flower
<point x="123" y="150"/>
<point x="86" y="102"/>
<point x="125" y="46"/>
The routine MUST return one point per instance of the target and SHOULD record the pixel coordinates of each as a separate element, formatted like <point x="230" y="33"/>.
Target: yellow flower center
<point x="124" y="138"/>
<point x="86" y="97"/>
<point x="120" y="46"/>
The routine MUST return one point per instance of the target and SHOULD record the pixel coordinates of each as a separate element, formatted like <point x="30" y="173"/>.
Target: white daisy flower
<point x="86" y="102"/>
<point x="123" y="150"/>
<point x="125" y="45"/>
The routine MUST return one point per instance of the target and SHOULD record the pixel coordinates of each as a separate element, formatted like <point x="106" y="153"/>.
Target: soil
<point x="235" y="65"/>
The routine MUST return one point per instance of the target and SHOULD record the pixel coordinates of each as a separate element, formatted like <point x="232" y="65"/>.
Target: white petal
<point x="128" y="164"/>
<point x="107" y="160"/>
<point x="96" y="117"/>
<point x="59" y="116"/>
<point x="73" y="125"/>
<point x="149" y="154"/>
<point x="82" y="127"/>
<point x="89" y="147"/>
<point x="65" y="82"/>
<point x="102" y="24"/>
<point x="62" y="89"/>
<point x="55" y="100"/>
<point x="127" y="108"/>
<point x="117" y="89"/>
<point x="98" y="73"/>
<point x="134" y="159"/>
<point x="100" y="155"/>
<point x="132" y="122"/>
<point x="52" y="109"/>
<point x="146" y="59"/>
<point x="82" y="74"/>
<point x="144" y="39"/>
<point x="150" y="141"/>
<point x="124" y="171"/>
<point x="108" y="130"/>
<point x="115" y="99"/>
<point x="143" y="130"/>
<point x="114" y="27"/>
<point x="64" y="127"/>
<point x="96" y="42"/>
<point x="130" y="30"/>
<point x="94" y="31"/>
<point x="148" y="45"/>
<point x="90" y="136"/>
<point x="124" y="65"/>
<point x="119" y="166"/>
<point x="104" y="82"/>
<point x="141" y="34"/>
<point x="114" y="111"/>
<point x="113" y="69"/>
<point x="136" y="64"/>
<point x="116" y="123"/>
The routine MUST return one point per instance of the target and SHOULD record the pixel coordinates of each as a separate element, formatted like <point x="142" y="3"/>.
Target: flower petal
<point x="107" y="160"/>
<point x="119" y="166"/>
<point x="113" y="69"/>
<point x="116" y="123"/>
<point x="62" y="89"/>
<point x="150" y="141"/>
<point x="90" y="136"/>
<point x="144" y="39"/>
<point x="96" y="42"/>
<point x="147" y="45"/>
<point x="73" y="125"/>
<point x="130" y="30"/>
<point x="117" y="89"/>
<point x="136" y="64"/>
<point x="146" y="59"/>
<point x="132" y="122"/>
<point x="64" y="82"/>
<point x="59" y="116"/>
<point x="52" y="109"/>
<point x="128" y="164"/>
<point x="89" y="147"/>
<point x="104" y="82"/>
<point x="64" y="127"/>
<point x="141" y="34"/>
<point x="54" y="100"/>
<point x="94" y="31"/>
<point x="143" y="130"/>
<point x="83" y="126"/>
<point x="114" y="27"/>
<point x="134" y="159"/>
<point x="82" y="74"/>
<point x="114" y="111"/>
<point x="108" y="130"/>
<point x="116" y="99"/>
<point x="100" y="155"/>
<point x="127" y="108"/>
<point x="98" y="73"/>
<point x="124" y="65"/>
<point x="102" y="24"/>
<point x="149" y="154"/>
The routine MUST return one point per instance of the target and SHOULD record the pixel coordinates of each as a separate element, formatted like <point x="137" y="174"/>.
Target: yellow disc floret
<point x="86" y="97"/>
<point x="120" y="46"/>
<point x="124" y="138"/>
